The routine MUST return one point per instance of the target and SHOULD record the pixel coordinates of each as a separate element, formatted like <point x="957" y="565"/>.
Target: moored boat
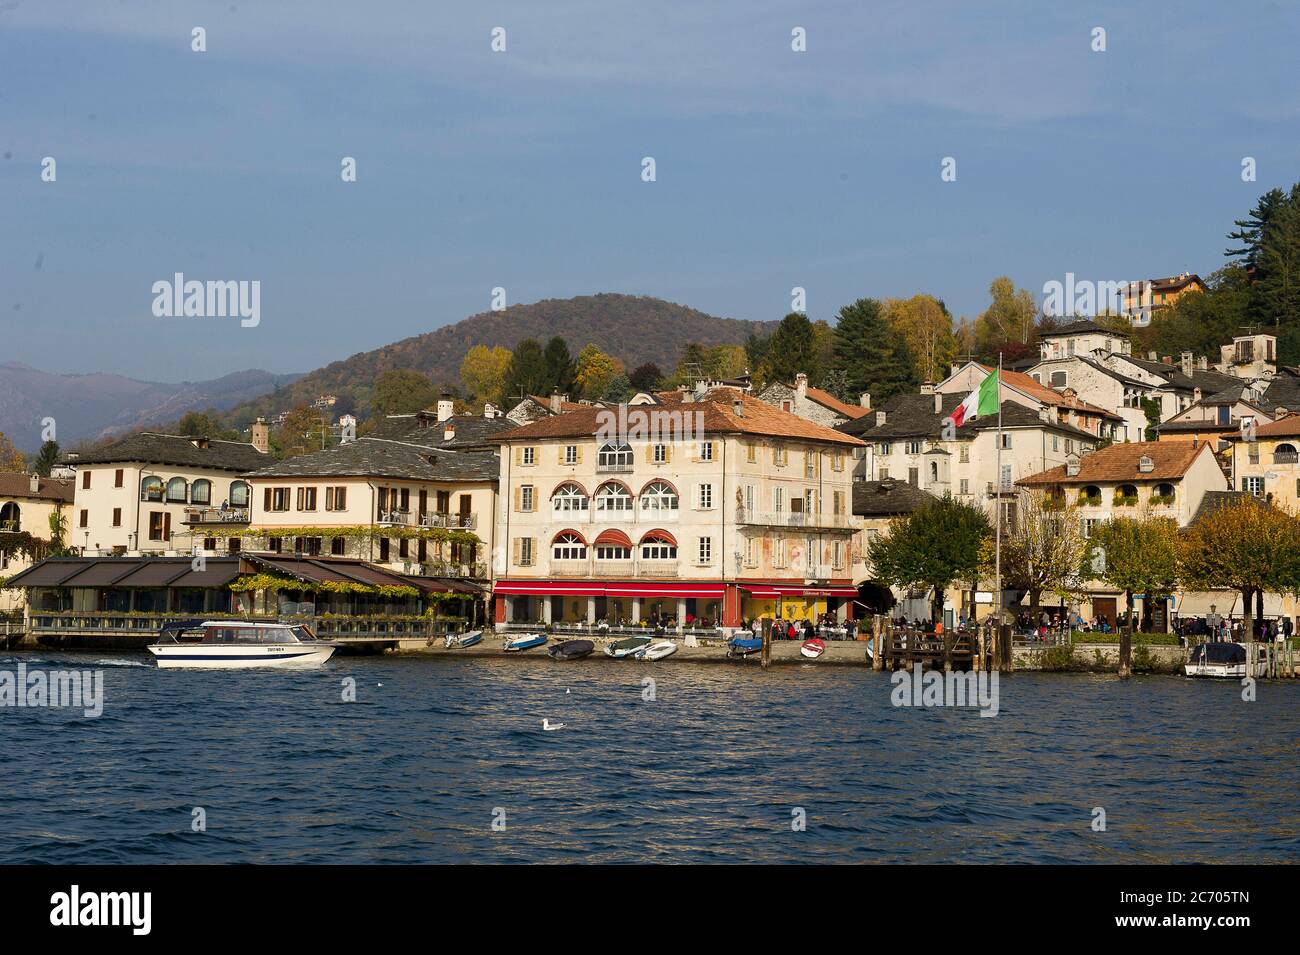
<point x="525" y="641"/>
<point x="656" y="651"/>
<point x="812" y="648"/>
<point x="454" y="640"/>
<point x="1220" y="659"/>
<point x="743" y="646"/>
<point x="625" y="648"/>
<point x="237" y="644"/>
<point x="571" y="650"/>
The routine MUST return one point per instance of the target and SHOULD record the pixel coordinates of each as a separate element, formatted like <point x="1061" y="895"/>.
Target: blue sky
<point x="522" y="169"/>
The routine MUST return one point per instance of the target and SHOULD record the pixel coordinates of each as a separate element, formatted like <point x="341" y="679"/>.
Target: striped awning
<point x="612" y="537"/>
<point x="600" y="588"/>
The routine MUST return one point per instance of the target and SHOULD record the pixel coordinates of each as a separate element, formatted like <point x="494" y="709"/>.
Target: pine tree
<point x="871" y="356"/>
<point x="791" y="349"/>
<point x="528" y="373"/>
<point x="46" y="458"/>
<point x="561" y="368"/>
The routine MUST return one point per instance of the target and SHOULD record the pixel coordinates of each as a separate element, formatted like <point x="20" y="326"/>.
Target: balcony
<point x="614" y="467"/>
<point x="570" y="568"/>
<point x="216" y="515"/>
<point x="745" y="515"/>
<point x="399" y="518"/>
<point x="1000" y="489"/>
<point x="615" y="568"/>
<point x="1286" y="457"/>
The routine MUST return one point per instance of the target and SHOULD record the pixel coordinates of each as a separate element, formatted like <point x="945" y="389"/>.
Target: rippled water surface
<point x="709" y="771"/>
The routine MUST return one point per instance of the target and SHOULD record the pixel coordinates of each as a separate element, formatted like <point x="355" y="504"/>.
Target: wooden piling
<point x="765" y="656"/>
<point x="877" y="647"/>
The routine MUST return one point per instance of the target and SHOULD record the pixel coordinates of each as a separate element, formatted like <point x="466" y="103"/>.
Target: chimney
<point x="1168" y="360"/>
<point x="864" y="399"/>
<point x="1151" y="356"/>
<point x="489" y="410"/>
<point x="1203" y="363"/>
<point x="800" y="384"/>
<point x="927" y="387"/>
<point x="261" y="435"/>
<point x="448" y="430"/>
<point x="347" y="429"/>
<point x="880" y="418"/>
<point x="938" y="402"/>
<point x="953" y="368"/>
<point x="1196" y="395"/>
<point x="738" y="408"/>
<point x="35" y="484"/>
<point x="1185" y="360"/>
<point x="445" y="406"/>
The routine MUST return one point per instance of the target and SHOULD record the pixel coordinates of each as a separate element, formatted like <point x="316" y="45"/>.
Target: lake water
<point x="711" y="770"/>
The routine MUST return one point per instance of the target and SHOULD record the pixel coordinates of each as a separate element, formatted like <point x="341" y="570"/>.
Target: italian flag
<point x="982" y="401"/>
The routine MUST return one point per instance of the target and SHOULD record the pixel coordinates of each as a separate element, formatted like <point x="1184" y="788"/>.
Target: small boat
<point x="743" y="646"/>
<point x="571" y="650"/>
<point x="237" y="644"/>
<point x="625" y="648"/>
<point x="812" y="648"/>
<point x="656" y="651"/>
<point x="1221" y="659"/>
<point x="454" y="640"/>
<point x="525" y="641"/>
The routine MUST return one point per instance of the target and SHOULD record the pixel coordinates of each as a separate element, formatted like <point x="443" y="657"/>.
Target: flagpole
<point x="997" y="538"/>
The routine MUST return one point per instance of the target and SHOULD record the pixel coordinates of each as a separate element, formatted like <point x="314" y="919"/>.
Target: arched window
<point x="569" y="497"/>
<point x="613" y="498"/>
<point x="239" y="494"/>
<point x="934" y="472"/>
<point x="1126" y="494"/>
<point x="569" y="547"/>
<point x="11" y="517"/>
<point x="659" y="496"/>
<point x="614" y="456"/>
<point x="1164" y="490"/>
<point x="201" y="491"/>
<point x="151" y="488"/>
<point x="1090" y="495"/>
<point x="656" y="547"/>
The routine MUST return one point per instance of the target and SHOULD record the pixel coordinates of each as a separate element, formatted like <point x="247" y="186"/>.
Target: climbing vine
<point x="279" y="582"/>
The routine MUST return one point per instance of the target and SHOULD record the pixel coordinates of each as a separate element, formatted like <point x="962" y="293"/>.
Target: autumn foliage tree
<point x="1138" y="555"/>
<point x="483" y="374"/>
<point x="10" y="457"/>
<point x="1046" y="551"/>
<point x="1248" y="545"/>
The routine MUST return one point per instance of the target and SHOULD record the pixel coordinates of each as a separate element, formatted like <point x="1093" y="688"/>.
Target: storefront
<point x="617" y="603"/>
<point x="796" y="602"/>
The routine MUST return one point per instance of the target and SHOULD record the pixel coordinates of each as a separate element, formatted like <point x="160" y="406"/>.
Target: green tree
<point x="528" y="373"/>
<point x="619" y="389"/>
<point x="46" y="458"/>
<point x="790" y="350"/>
<point x="402" y="391"/>
<point x="870" y="355"/>
<point x="1136" y="555"/>
<point x="1247" y="545"/>
<point x="58" y="521"/>
<point x="934" y="546"/>
<point x="303" y="430"/>
<point x="561" y="369"/>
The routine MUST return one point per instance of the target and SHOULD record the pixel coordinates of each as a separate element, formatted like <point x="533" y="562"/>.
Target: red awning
<point x="612" y="538"/>
<point x="588" y="588"/>
<point x="798" y="590"/>
<point x="661" y="533"/>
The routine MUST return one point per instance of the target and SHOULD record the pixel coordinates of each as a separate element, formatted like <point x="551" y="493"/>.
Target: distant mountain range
<point x="87" y="407"/>
<point x="637" y="329"/>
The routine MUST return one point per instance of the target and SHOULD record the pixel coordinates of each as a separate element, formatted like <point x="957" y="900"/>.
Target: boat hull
<point x="657" y="651"/>
<point x="454" y="641"/>
<point x="519" y="644"/>
<point x="626" y="648"/>
<point x="813" y="648"/>
<point x="1216" y="671"/>
<point x="236" y="657"/>
<point x="572" y="650"/>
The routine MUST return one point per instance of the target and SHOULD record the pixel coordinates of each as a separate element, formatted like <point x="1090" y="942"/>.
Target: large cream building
<point x="708" y="507"/>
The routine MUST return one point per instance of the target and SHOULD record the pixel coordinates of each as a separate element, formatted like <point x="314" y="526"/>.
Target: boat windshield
<point x="250" y="634"/>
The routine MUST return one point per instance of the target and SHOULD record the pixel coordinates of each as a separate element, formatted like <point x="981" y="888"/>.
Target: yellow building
<point x="1267" y="466"/>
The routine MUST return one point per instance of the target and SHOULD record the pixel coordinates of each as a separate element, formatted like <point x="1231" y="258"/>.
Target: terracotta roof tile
<point x="1119" y="462"/>
<point x="18" y="484"/>
<point x="719" y="417"/>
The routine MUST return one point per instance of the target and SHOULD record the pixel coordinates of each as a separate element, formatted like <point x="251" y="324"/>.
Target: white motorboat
<point x="237" y="644"/>
<point x="656" y="651"/>
<point x="1218" y="659"/>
